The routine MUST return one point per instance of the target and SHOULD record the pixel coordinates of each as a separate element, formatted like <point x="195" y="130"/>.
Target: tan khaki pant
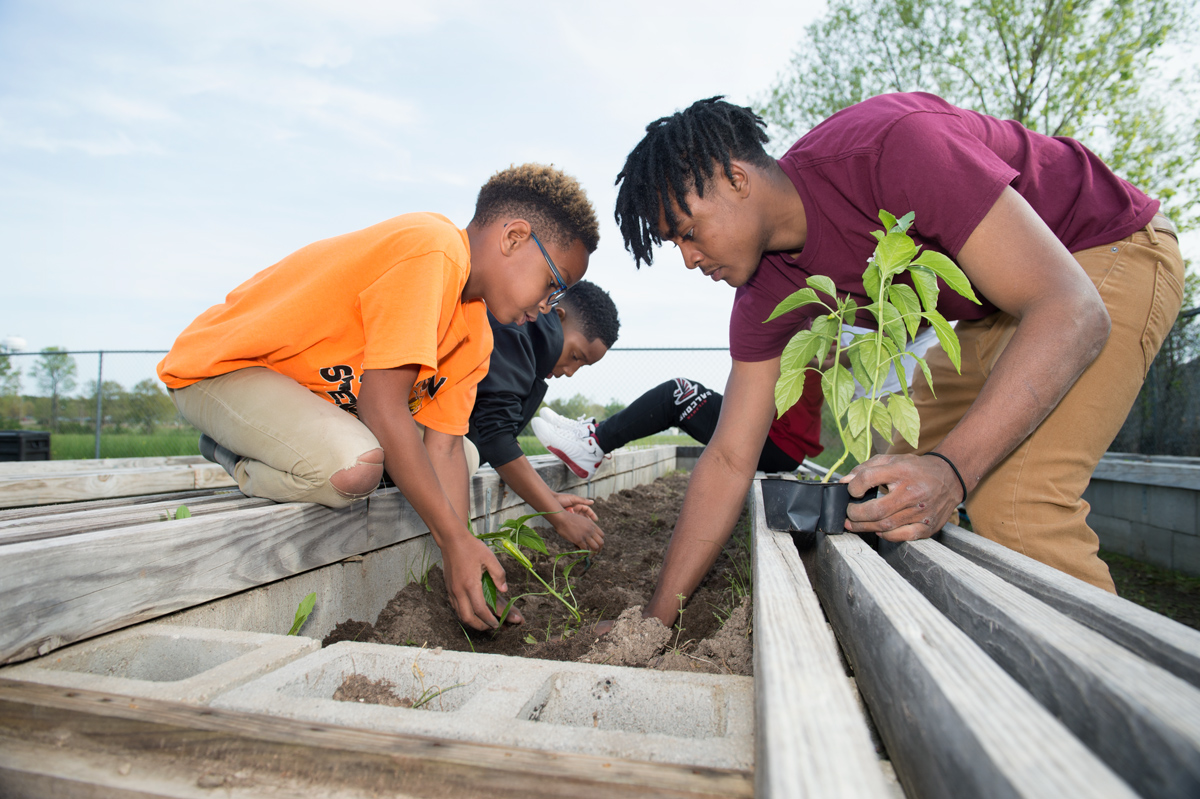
<point x="1031" y="502"/>
<point x="291" y="439"/>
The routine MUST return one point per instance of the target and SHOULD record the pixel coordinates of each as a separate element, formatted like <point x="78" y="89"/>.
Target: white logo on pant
<point x="685" y="390"/>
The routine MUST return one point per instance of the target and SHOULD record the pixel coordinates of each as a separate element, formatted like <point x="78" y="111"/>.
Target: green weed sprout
<point x="182" y="512"/>
<point x="304" y="610"/>
<point x="898" y="310"/>
<point x="510" y="538"/>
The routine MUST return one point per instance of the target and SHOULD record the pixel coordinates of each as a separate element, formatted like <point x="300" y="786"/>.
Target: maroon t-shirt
<point x="916" y="152"/>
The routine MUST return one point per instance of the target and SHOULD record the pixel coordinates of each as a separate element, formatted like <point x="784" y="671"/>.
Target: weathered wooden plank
<point x="18" y="490"/>
<point x="1143" y="721"/>
<point x="90" y="520"/>
<point x="954" y="723"/>
<point x="80" y="465"/>
<point x="1154" y="470"/>
<point x="42" y="511"/>
<point x="169" y="737"/>
<point x="1150" y="635"/>
<point x="811" y="738"/>
<point x="62" y="590"/>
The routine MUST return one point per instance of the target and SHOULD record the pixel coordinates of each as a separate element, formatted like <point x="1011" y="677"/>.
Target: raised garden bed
<point x="714" y="635"/>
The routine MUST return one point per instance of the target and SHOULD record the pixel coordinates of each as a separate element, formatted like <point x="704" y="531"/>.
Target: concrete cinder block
<point x="1186" y="554"/>
<point x="1115" y="534"/>
<point x="1151" y="544"/>
<point x="609" y="711"/>
<point x="163" y="661"/>
<point x="1173" y="508"/>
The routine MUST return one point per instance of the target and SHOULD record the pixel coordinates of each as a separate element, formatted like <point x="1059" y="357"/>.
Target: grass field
<point x="72" y="446"/>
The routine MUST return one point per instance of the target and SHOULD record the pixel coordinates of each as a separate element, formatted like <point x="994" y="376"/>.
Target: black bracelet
<point x="954" y="468"/>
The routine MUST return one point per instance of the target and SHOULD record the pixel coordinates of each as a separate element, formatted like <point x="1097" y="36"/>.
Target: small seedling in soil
<point x="514" y="535"/>
<point x="304" y="610"/>
<point x="898" y="310"/>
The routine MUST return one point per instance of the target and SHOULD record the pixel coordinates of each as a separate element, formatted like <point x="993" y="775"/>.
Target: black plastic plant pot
<point x="804" y="508"/>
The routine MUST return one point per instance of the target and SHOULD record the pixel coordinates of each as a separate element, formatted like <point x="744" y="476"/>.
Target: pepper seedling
<point x="510" y="538"/>
<point x="899" y="310"/>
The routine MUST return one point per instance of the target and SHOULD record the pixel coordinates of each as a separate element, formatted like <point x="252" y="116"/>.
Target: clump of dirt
<point x="637" y="524"/>
<point x="357" y="688"/>
<point x="633" y="641"/>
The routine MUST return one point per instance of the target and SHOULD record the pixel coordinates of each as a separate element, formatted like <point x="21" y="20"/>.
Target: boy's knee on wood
<point x="359" y="480"/>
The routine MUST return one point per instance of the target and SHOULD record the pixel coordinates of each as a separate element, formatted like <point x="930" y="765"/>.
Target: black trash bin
<point x="24" y="445"/>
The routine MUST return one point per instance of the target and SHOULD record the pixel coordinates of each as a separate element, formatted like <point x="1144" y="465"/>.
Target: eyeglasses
<point x="558" y="293"/>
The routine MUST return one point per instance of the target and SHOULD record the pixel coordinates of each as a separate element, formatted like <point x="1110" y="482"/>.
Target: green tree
<point x="149" y="406"/>
<point x="11" y="407"/>
<point x="55" y="375"/>
<point x="578" y="406"/>
<point x="114" y="402"/>
<point x="1095" y="70"/>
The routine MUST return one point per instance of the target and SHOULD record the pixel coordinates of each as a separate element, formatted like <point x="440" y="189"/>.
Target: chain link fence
<point x="56" y="391"/>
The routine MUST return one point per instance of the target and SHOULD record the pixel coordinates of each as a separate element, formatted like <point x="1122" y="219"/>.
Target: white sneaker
<point x="574" y="443"/>
<point x="562" y="422"/>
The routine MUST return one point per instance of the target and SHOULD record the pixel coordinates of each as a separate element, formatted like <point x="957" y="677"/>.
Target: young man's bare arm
<point x="718" y="487"/>
<point x="383" y="408"/>
<point x="575" y="528"/>
<point x="1015" y="261"/>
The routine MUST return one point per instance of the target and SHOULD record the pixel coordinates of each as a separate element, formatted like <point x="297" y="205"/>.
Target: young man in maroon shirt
<point x="1080" y="277"/>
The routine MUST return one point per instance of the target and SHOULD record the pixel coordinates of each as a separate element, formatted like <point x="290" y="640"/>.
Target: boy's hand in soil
<point x="464" y="560"/>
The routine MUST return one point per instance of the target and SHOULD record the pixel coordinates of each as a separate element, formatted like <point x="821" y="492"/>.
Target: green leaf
<point x="304" y="610"/>
<point x="871" y="280"/>
<point x="928" y="377"/>
<point x="893" y="324"/>
<point x="881" y="420"/>
<point x="856" y="415"/>
<point x="949" y="272"/>
<point x="823" y="283"/>
<point x="788" y="389"/>
<point x="793" y="301"/>
<point x="904" y="298"/>
<point x="905" y="418"/>
<point x="528" y="537"/>
<point x="182" y="512"/>
<point x="491" y="595"/>
<point x="800" y="351"/>
<point x="862" y="359"/>
<point x="848" y="311"/>
<point x="905" y="222"/>
<point x="894" y="253"/>
<point x="926" y="285"/>
<point x="529" y="639"/>
<point x="888" y="219"/>
<point x="878" y="234"/>
<point x="837" y="384"/>
<point x="860" y="445"/>
<point x="827" y="327"/>
<point x="946" y="337"/>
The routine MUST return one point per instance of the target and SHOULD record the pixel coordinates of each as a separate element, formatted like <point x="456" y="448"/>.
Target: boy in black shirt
<point x="577" y="332"/>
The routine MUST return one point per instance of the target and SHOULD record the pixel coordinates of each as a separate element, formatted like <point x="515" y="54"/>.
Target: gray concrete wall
<point x="1147" y="508"/>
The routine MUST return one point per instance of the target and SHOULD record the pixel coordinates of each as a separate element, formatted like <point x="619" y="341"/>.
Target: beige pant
<point x="291" y="439"/>
<point x="1031" y="502"/>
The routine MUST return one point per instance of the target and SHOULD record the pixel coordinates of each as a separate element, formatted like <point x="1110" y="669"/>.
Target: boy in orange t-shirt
<point x="362" y="353"/>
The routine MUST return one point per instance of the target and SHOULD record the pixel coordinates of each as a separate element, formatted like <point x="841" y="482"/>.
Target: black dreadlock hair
<point x="678" y="154"/>
<point x="594" y="312"/>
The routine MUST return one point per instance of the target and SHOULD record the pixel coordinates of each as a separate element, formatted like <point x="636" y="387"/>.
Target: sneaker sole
<point x="579" y="471"/>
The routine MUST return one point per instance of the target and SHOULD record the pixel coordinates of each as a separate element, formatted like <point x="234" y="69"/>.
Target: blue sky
<point x="155" y="154"/>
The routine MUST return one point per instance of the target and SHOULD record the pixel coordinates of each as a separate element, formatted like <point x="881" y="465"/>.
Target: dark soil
<point x="637" y="526"/>
<point x="1170" y="593"/>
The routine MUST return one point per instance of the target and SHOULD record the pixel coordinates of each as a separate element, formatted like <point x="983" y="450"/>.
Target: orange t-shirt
<point x="385" y="296"/>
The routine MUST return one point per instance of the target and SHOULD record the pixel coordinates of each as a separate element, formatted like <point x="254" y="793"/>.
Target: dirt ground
<point x="714" y="635"/>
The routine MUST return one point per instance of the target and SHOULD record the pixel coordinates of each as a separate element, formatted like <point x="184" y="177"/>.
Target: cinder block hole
<point x="678" y="708"/>
<point x="150" y="658"/>
<point x="444" y="686"/>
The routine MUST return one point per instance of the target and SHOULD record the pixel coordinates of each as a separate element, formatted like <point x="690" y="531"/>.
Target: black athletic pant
<point x="680" y="403"/>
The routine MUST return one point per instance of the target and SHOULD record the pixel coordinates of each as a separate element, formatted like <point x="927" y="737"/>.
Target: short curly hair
<point x="552" y="201"/>
<point x="593" y="311"/>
